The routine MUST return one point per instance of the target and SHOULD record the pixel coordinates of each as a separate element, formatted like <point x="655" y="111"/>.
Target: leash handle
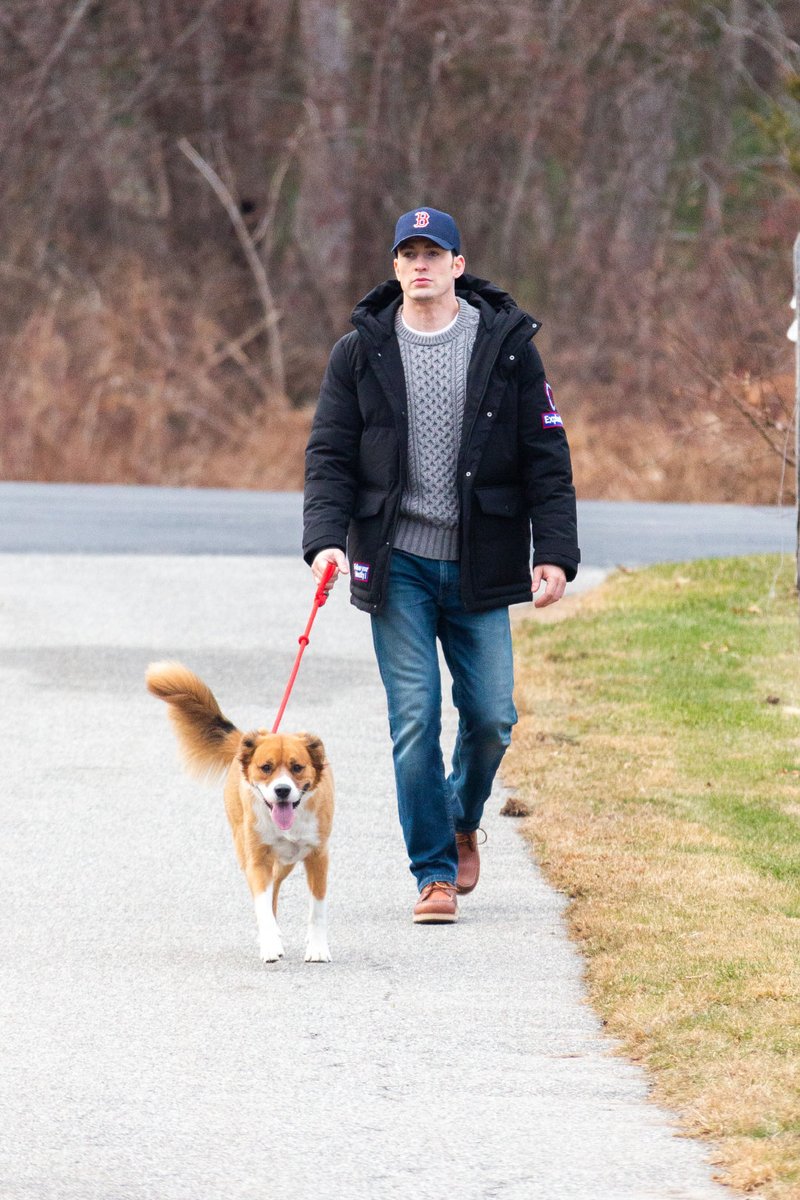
<point x="320" y="596"/>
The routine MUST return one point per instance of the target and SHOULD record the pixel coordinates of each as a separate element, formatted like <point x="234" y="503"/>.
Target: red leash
<point x="320" y="596"/>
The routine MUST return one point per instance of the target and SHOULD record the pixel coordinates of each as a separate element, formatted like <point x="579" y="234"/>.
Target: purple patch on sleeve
<point x="361" y="572"/>
<point x="552" y="420"/>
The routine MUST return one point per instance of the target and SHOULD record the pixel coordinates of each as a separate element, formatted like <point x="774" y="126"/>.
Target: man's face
<point x="425" y="271"/>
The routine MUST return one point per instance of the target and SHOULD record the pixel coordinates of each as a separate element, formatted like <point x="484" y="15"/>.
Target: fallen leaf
<point x="515" y="808"/>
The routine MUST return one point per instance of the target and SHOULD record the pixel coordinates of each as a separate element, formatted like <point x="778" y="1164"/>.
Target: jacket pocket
<point x="499" y="542"/>
<point x="502" y="501"/>
<point x="369" y="503"/>
<point x="366" y="543"/>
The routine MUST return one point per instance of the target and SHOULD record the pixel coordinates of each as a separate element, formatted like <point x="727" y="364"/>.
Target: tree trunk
<point x="324" y="213"/>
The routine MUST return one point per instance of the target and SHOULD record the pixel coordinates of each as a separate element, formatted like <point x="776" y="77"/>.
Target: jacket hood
<point x="376" y="312"/>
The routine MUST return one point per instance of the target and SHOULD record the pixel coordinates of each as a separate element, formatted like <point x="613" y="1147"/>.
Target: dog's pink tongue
<point x="283" y="815"/>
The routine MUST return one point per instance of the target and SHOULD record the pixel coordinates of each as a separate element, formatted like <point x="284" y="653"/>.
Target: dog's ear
<point x="316" y="751"/>
<point x="247" y="747"/>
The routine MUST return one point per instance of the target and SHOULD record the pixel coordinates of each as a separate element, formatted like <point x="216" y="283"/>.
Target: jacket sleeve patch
<point x="552" y="420"/>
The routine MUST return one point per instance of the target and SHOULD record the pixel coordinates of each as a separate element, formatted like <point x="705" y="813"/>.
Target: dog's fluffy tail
<point x="209" y="741"/>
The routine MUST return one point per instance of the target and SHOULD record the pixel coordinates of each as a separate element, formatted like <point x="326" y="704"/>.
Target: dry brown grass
<point x="677" y="855"/>
<point x="136" y="377"/>
<point x="702" y="449"/>
<point x="130" y="385"/>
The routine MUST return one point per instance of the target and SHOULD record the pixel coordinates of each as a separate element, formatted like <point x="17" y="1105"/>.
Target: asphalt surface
<point x="91" y="519"/>
<point x="149" y="1055"/>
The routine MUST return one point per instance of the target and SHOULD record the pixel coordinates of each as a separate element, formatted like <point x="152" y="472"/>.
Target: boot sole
<point x="436" y="919"/>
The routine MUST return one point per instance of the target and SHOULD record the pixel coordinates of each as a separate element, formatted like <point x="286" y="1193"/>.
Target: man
<point x="435" y="451"/>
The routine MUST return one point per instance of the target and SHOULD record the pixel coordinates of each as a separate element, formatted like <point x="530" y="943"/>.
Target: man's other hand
<point x="554" y="580"/>
<point x="321" y="561"/>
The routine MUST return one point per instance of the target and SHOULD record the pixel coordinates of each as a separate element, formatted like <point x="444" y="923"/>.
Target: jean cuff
<point x="436" y="879"/>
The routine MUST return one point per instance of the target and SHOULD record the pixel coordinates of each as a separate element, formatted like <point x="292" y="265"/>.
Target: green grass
<point x="693" y="653"/>
<point x="659" y="755"/>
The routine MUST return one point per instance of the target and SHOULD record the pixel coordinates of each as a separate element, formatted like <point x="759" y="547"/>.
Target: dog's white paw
<point x="317" y="949"/>
<point x="270" y="948"/>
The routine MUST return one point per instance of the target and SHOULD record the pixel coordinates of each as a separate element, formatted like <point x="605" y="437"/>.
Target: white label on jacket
<point x="361" y="572"/>
<point x="552" y="420"/>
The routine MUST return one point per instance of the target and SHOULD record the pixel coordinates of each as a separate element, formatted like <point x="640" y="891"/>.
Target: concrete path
<point x="149" y="1055"/>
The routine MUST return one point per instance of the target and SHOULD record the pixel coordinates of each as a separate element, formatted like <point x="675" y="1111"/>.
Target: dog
<point x="278" y="797"/>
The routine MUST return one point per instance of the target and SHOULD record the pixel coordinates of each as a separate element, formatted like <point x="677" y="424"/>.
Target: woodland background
<point x="193" y="195"/>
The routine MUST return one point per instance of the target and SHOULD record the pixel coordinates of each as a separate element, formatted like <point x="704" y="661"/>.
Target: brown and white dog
<point x="278" y="797"/>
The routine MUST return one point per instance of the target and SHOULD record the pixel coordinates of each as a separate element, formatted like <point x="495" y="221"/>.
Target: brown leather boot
<point x="469" y="861"/>
<point x="436" y="905"/>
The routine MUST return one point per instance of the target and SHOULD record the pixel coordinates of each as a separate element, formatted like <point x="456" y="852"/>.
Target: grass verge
<point x="658" y="758"/>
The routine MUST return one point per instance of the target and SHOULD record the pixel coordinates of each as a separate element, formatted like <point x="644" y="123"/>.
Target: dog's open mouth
<point x="283" y="812"/>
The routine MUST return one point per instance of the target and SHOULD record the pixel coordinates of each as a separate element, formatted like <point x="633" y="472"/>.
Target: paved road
<point x="149" y="1055"/>
<point x="48" y="518"/>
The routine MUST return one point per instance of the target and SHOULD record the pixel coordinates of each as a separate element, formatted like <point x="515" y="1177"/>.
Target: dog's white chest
<point x="289" y="851"/>
<point x="290" y="845"/>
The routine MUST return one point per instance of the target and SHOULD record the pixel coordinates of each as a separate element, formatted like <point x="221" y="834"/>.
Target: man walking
<point x="436" y="452"/>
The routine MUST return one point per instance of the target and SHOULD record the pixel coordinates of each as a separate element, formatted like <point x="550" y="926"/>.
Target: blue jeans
<point x="423" y="603"/>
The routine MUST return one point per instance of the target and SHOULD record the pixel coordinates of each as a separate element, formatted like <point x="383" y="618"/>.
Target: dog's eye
<point x="296" y="768"/>
<point x="267" y="768"/>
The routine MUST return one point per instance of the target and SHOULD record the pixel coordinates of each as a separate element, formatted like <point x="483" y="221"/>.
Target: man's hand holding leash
<point x="321" y="561"/>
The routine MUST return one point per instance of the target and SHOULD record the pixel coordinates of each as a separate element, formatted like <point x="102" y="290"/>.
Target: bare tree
<point x="324" y="215"/>
<point x="277" y="390"/>
<point x="626" y="169"/>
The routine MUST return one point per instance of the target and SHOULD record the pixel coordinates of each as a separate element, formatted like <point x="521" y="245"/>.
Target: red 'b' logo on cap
<point x="422" y="219"/>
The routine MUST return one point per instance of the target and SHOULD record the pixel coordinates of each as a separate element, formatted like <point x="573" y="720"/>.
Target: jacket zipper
<point x="468" y="439"/>
<point x="402" y="470"/>
<point x="465" y="441"/>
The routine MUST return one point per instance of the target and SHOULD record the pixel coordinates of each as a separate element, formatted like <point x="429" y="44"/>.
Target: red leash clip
<point x="320" y="596"/>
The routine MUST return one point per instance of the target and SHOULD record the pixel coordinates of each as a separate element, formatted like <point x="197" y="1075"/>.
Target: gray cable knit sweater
<point x="435" y="366"/>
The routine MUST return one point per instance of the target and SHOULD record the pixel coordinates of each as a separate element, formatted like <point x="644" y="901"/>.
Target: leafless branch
<point x="27" y="113"/>
<point x="75" y="18"/>
<point x="762" y="427"/>
<point x="233" y="347"/>
<point x="265" y="230"/>
<point x="271" y="314"/>
<point x="144" y="85"/>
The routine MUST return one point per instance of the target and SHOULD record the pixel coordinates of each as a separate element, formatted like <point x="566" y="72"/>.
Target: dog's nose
<point x="282" y="792"/>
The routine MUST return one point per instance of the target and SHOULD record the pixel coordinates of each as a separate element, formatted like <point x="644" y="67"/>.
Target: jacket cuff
<point x="311" y="552"/>
<point x="568" y="565"/>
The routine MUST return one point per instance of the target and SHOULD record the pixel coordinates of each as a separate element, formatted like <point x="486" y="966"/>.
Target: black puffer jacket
<point x="514" y="473"/>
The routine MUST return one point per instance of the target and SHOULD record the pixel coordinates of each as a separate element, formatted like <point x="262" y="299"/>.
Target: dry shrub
<point x="134" y="383"/>
<point x="140" y="377"/>
<point x="702" y="449"/>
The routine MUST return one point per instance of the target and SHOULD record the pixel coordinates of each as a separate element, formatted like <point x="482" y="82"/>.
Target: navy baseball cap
<point x="437" y="226"/>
